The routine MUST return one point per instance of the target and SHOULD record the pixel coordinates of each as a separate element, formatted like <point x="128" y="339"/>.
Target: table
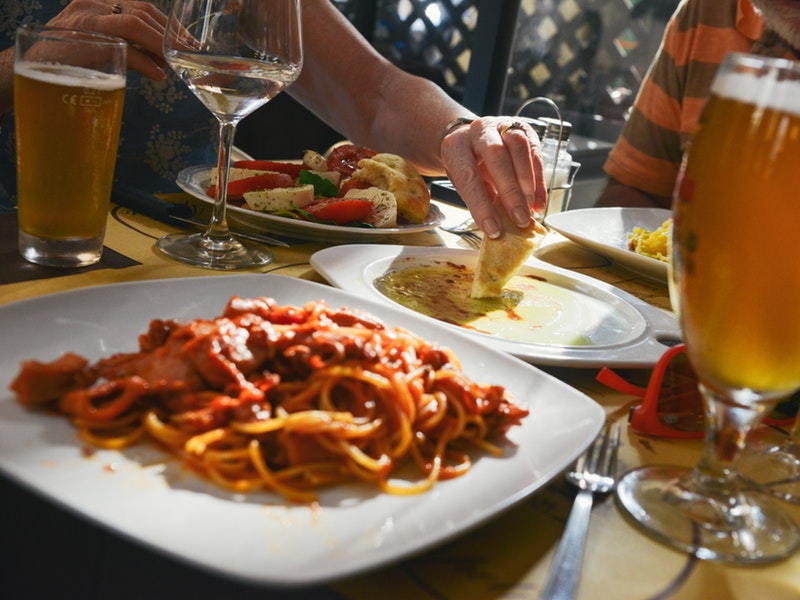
<point x="49" y="552"/>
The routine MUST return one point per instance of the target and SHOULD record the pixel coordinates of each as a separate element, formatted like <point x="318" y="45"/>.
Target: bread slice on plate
<point x="499" y="259"/>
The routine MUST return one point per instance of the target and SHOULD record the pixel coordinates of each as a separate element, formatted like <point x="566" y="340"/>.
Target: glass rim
<point x="761" y="63"/>
<point x="65" y="35"/>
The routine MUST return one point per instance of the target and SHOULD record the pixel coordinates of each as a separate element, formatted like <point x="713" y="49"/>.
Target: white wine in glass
<point x="235" y="55"/>
<point x="733" y="285"/>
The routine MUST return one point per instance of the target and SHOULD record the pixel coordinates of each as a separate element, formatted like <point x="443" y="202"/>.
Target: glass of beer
<point x="69" y="88"/>
<point x="734" y="282"/>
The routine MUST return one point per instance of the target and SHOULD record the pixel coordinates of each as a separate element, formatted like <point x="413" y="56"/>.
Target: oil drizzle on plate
<point x="531" y="309"/>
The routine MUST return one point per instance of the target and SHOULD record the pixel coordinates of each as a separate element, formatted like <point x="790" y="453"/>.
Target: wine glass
<point x="235" y="55"/>
<point x="732" y="283"/>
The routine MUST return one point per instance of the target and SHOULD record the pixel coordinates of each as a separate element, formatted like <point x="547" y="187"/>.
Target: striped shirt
<point x="648" y="154"/>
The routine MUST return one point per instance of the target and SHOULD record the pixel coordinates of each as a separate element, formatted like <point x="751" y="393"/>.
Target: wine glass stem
<point x="218" y="226"/>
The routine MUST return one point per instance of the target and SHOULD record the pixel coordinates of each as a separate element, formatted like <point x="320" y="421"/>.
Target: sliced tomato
<point x="289" y="168"/>
<point x="266" y="181"/>
<point x="352" y="184"/>
<point x="345" y="158"/>
<point x="340" y="211"/>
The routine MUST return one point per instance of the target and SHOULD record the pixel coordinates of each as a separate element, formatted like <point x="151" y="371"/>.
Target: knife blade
<point x="171" y="213"/>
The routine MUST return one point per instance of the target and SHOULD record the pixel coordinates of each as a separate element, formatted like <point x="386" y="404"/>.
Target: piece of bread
<point x="395" y="174"/>
<point x="499" y="259"/>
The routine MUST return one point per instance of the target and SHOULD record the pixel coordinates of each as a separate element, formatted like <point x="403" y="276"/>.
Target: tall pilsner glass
<point x="69" y="88"/>
<point x="235" y="55"/>
<point x="734" y="284"/>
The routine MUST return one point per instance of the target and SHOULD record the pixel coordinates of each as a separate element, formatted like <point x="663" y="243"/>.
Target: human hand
<point x="140" y="23"/>
<point x="496" y="158"/>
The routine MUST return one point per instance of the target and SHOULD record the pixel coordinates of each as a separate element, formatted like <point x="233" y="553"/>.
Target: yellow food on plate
<point x="654" y="244"/>
<point x="395" y="174"/>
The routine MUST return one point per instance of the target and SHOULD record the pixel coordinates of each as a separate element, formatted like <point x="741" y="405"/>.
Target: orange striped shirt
<point x="697" y="38"/>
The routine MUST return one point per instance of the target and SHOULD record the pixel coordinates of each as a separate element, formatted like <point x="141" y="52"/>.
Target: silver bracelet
<point x="448" y="129"/>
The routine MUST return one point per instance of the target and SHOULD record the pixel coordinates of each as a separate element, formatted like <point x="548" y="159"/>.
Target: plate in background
<point x="624" y="331"/>
<point x="195" y="181"/>
<point x="605" y="231"/>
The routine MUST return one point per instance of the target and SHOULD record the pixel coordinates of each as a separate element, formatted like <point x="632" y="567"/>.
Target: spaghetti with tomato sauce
<point x="283" y="398"/>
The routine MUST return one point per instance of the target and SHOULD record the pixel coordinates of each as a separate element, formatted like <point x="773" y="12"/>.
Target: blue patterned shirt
<point x="164" y="127"/>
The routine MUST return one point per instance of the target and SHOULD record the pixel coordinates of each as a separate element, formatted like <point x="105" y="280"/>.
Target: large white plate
<point x="145" y="495"/>
<point x="605" y="231"/>
<point x="195" y="181"/>
<point x="626" y="332"/>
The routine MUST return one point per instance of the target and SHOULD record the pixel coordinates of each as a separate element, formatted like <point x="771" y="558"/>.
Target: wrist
<point x="451" y="127"/>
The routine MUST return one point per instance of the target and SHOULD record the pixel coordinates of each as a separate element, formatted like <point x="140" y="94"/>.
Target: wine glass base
<point x="769" y="465"/>
<point x="224" y="254"/>
<point x="661" y="501"/>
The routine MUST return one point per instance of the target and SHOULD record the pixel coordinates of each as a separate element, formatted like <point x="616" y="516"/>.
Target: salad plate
<point x="575" y="320"/>
<point x="605" y="231"/>
<point x="196" y="180"/>
<point x="145" y="495"/>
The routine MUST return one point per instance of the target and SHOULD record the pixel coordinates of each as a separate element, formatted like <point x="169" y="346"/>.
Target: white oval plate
<point x="260" y="537"/>
<point x="605" y="231"/>
<point x="624" y="330"/>
<point x="195" y="181"/>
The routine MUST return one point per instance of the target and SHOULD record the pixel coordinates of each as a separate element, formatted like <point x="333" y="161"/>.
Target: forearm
<point x="415" y="113"/>
<point x="361" y="95"/>
<point x="357" y="92"/>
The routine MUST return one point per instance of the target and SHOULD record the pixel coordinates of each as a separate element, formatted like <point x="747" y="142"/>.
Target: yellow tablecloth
<point x="510" y="556"/>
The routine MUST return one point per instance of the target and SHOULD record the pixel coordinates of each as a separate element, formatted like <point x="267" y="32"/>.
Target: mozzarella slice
<point x="280" y="198"/>
<point x="315" y="161"/>
<point x="384" y="206"/>
<point x="236" y="173"/>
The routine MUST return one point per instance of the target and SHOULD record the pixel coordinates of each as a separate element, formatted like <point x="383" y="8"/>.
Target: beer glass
<point x="69" y="88"/>
<point x="734" y="284"/>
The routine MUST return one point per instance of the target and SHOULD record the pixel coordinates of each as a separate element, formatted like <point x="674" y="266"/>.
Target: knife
<point x="171" y="213"/>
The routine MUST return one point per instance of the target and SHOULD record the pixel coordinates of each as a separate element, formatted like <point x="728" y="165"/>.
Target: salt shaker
<point x="555" y="156"/>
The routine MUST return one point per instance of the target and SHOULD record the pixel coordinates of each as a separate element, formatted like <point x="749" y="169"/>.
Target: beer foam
<point x="749" y="88"/>
<point x="68" y="75"/>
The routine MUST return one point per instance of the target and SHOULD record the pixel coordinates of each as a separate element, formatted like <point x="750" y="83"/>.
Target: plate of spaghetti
<point x="293" y="420"/>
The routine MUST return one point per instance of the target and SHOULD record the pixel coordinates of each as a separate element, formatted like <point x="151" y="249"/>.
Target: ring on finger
<point x="116" y="8"/>
<point x="512" y="125"/>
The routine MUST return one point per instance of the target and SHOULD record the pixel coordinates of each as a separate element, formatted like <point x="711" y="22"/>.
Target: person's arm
<point x="617" y="193"/>
<point x="362" y="95"/>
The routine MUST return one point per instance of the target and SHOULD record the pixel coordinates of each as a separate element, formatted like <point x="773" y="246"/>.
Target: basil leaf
<point x="322" y="186"/>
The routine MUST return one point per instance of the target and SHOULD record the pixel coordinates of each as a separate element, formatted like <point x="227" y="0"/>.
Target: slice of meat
<point x="39" y="382"/>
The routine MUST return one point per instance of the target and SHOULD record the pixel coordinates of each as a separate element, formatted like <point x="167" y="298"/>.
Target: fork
<point x="594" y="472"/>
<point x="463" y="227"/>
<point x="468" y="231"/>
<point x="472" y="238"/>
